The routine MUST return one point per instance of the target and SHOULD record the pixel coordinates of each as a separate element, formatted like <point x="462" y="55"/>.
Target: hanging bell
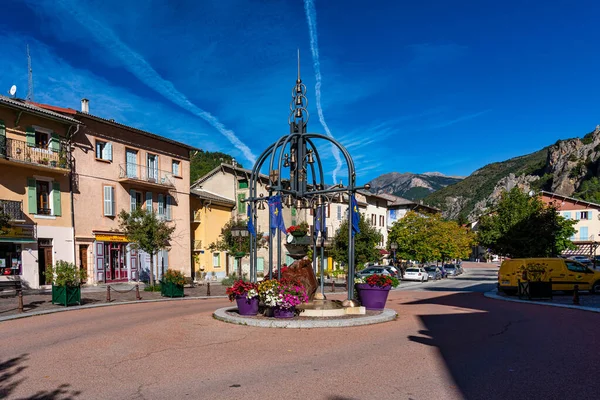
<point x="298" y="88"/>
<point x="319" y="201"/>
<point x="288" y="200"/>
<point x="298" y="100"/>
<point x="298" y="113"/>
<point x="298" y="203"/>
<point x="310" y="158"/>
<point x="293" y="156"/>
<point x="261" y="205"/>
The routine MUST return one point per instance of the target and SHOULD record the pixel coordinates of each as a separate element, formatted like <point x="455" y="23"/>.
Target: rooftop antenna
<point x="29" y="77"/>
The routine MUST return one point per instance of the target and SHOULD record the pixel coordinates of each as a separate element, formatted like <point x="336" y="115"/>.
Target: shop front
<point x="114" y="259"/>
<point x="15" y="240"/>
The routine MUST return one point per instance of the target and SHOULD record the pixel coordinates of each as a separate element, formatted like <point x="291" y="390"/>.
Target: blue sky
<point x="406" y="86"/>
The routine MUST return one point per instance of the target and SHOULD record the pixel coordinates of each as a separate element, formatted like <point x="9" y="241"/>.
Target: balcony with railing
<point x="19" y="151"/>
<point x="582" y="238"/>
<point x="145" y="175"/>
<point x="14" y="209"/>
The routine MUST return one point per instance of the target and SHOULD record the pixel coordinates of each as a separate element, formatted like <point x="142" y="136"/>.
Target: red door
<point x="117" y="270"/>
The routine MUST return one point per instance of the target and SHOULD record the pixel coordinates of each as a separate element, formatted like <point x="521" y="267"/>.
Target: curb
<point x="386" y="316"/>
<point x="494" y="295"/>
<point x="84" y="307"/>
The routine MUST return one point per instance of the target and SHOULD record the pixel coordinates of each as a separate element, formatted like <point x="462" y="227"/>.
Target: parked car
<point x="415" y="274"/>
<point x="459" y="268"/>
<point x="443" y="271"/>
<point x="451" y="270"/>
<point x="433" y="272"/>
<point x="392" y="270"/>
<point x="372" y="270"/>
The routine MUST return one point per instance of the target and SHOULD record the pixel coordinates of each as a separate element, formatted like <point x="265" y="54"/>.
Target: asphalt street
<point x="444" y="345"/>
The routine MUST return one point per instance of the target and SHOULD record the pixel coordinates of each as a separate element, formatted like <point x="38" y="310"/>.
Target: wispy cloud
<point x="457" y="120"/>
<point x="311" y="18"/>
<point x="141" y="69"/>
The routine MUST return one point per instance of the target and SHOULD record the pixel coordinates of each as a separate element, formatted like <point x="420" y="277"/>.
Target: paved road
<point x="444" y="345"/>
<point x="473" y="280"/>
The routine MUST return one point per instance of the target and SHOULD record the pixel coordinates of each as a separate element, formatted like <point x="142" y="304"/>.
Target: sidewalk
<point x="587" y="301"/>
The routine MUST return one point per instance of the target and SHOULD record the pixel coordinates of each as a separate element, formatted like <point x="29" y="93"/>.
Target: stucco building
<point x="35" y="168"/>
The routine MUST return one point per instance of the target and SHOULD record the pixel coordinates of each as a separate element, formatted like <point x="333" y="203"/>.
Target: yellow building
<point x="210" y="213"/>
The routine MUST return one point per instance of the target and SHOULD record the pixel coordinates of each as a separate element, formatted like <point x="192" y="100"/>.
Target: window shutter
<point x="149" y="201"/>
<point x="108" y="149"/>
<point x="31" y="196"/>
<point x="169" y="209"/>
<point x="109" y="208"/>
<point x="590" y="214"/>
<point x="132" y="200"/>
<point x="56" y="207"/>
<point x="2" y="138"/>
<point x="54" y="142"/>
<point x="161" y="206"/>
<point x="30" y="136"/>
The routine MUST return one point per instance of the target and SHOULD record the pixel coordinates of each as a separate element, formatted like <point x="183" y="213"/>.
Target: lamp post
<point x="239" y="232"/>
<point x="394" y="246"/>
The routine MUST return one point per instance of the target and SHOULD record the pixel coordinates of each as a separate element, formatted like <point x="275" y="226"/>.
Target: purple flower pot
<point x="247" y="306"/>
<point x="372" y="297"/>
<point x="279" y="312"/>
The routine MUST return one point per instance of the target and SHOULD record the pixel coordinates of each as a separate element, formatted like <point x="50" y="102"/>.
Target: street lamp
<point x="239" y="232"/>
<point x="394" y="247"/>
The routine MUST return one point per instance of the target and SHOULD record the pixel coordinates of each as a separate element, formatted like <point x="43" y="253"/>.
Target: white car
<point x="415" y="274"/>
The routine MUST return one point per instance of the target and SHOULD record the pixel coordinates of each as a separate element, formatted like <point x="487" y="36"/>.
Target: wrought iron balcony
<point x="197" y="245"/>
<point x="145" y="175"/>
<point x="582" y="238"/>
<point x="14" y="209"/>
<point x="19" y="151"/>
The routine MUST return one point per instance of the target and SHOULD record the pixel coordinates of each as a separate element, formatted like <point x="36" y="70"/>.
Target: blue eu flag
<point x="355" y="215"/>
<point x="275" y="212"/>
<point x="250" y="223"/>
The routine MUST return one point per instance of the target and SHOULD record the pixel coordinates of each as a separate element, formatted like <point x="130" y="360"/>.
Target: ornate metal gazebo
<point x="296" y="178"/>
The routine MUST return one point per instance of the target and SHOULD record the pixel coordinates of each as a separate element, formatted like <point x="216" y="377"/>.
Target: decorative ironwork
<point x="14" y="209"/>
<point x="145" y="173"/>
<point x="296" y="174"/>
<point x="19" y="150"/>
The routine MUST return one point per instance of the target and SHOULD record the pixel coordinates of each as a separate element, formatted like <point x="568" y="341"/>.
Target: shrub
<point x="174" y="276"/>
<point x="152" y="288"/>
<point x="64" y="273"/>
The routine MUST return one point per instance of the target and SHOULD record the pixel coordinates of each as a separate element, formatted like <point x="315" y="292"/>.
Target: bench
<point x="17" y="287"/>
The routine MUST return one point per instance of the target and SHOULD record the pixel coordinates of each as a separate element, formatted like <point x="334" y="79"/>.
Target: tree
<point x="365" y="243"/>
<point x="523" y="226"/>
<point x="231" y="244"/>
<point x="145" y="231"/>
<point x="202" y="162"/>
<point x="428" y="237"/>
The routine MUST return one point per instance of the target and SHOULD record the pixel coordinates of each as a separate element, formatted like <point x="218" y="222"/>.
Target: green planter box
<point x="169" y="289"/>
<point x="66" y="295"/>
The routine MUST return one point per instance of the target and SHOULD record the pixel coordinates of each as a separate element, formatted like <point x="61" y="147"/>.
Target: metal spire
<point x="299" y="80"/>
<point x="29" y="77"/>
<point x="299" y="114"/>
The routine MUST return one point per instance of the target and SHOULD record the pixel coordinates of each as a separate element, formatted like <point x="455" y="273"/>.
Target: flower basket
<point x="298" y="233"/>
<point x="66" y="295"/>
<point x="372" y="297"/>
<point x="280" y="312"/>
<point x="247" y="306"/>
<point x="170" y="289"/>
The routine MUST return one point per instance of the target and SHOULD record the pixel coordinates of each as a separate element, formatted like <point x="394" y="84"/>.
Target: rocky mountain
<point x="412" y="186"/>
<point x="569" y="167"/>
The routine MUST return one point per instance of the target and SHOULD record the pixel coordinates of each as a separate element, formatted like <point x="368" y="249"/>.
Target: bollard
<point x="576" y="294"/>
<point x="107" y="294"/>
<point x="20" y="296"/>
<point x="137" y="292"/>
<point x="333" y="285"/>
<point x="208" y="288"/>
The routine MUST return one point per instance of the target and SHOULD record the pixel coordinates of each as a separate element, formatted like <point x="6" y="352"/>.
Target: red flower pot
<point x="372" y="297"/>
<point x="247" y="306"/>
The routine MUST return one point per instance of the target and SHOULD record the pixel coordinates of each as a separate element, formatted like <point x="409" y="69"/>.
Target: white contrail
<point x="139" y="67"/>
<point x="311" y="19"/>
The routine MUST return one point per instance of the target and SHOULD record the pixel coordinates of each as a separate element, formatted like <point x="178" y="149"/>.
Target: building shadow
<point x="501" y="350"/>
<point x="12" y="373"/>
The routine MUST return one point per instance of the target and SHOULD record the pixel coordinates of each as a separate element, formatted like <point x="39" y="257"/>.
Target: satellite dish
<point x="13" y="90"/>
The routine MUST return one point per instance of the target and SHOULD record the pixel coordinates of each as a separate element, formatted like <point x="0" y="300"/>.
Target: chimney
<point x="85" y="106"/>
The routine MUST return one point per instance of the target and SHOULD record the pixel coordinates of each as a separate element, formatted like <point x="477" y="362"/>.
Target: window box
<point x="169" y="289"/>
<point x="66" y="295"/>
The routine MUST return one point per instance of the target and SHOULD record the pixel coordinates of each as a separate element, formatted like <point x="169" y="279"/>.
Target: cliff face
<point x="561" y="168"/>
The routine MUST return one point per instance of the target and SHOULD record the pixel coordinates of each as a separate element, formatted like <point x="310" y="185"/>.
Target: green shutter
<point x="241" y="204"/>
<point x="56" y="199"/>
<point x="2" y="129"/>
<point x="31" y="196"/>
<point x="30" y="136"/>
<point x="2" y="139"/>
<point x="54" y="142"/>
<point x="243" y="184"/>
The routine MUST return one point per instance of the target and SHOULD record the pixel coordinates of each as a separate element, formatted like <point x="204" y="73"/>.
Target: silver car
<point x="433" y="272"/>
<point x="372" y="270"/>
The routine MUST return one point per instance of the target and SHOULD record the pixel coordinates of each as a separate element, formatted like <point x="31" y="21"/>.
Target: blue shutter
<point x="161" y="206"/>
<point x="132" y="204"/>
<point x="567" y="215"/>
<point x="149" y="201"/>
<point x="590" y="214"/>
<point x="169" y="208"/>
<point x="583" y="233"/>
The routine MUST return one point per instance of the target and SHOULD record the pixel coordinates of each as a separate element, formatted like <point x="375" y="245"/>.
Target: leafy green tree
<point x="203" y="162"/>
<point x="523" y="226"/>
<point x="365" y="243"/>
<point x="589" y="190"/>
<point x="145" y="231"/>
<point x="232" y="244"/>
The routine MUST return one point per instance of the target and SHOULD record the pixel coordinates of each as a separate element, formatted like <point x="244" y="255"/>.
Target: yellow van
<point x="565" y="274"/>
